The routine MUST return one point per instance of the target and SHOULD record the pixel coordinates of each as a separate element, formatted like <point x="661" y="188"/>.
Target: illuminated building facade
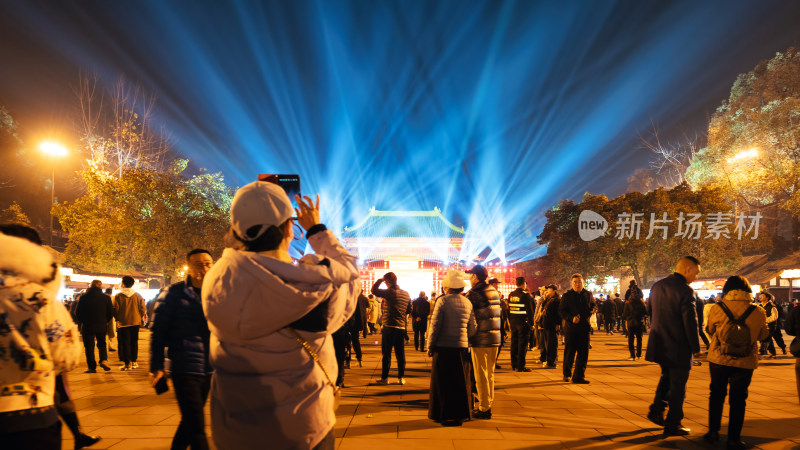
<point x="418" y="246"/>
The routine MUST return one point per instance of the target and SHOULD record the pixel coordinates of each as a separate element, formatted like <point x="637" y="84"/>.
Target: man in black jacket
<point x="420" y="309"/>
<point x="92" y="314"/>
<point x="609" y="309"/>
<point x="520" y="319"/>
<point x="576" y="307"/>
<point x="180" y="326"/>
<point x="672" y="342"/>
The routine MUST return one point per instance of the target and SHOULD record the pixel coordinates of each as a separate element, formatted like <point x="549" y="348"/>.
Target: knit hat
<point x="454" y="280"/>
<point x="258" y="206"/>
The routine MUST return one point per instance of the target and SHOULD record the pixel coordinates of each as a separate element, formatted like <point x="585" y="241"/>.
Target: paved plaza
<point x="531" y="410"/>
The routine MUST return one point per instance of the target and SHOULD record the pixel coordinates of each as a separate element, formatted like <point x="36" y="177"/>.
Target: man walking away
<point x="420" y="309"/>
<point x="128" y="310"/>
<point x="395" y="310"/>
<point x="520" y="319"/>
<point x="609" y="310"/>
<point x="180" y="326"/>
<point x="93" y="312"/>
<point x="486" y="304"/>
<point x="633" y="313"/>
<point x="575" y="308"/>
<point x="672" y="342"/>
<point x="620" y="305"/>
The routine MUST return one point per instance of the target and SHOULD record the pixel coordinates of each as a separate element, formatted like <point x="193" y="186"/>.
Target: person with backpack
<point x="736" y="326"/>
<point x="633" y="313"/>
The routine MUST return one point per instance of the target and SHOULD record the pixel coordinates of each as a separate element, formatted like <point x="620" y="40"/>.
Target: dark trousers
<point x="341" y="340"/>
<point x="48" y="438"/>
<point x="393" y="338"/>
<point x="635" y="333"/>
<point x="609" y="326"/>
<point x="520" y="329"/>
<point x="550" y="345"/>
<point x="670" y="392"/>
<point x="191" y="391"/>
<point x="420" y="328"/>
<point x="128" y="339"/>
<point x="88" y="346"/>
<point x="778" y="336"/>
<point x="576" y="351"/>
<point x="739" y="380"/>
<point x="356" y="344"/>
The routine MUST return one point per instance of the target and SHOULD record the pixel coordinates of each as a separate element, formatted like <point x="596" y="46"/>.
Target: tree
<point x="753" y="150"/>
<point x="14" y="214"/>
<point x="11" y="149"/>
<point x="117" y="127"/>
<point x="143" y="219"/>
<point x="629" y="244"/>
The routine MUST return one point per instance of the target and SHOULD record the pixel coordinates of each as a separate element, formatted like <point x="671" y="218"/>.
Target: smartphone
<point x="289" y="182"/>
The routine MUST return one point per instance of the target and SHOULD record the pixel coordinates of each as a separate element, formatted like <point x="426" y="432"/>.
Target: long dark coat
<point x="673" y="335"/>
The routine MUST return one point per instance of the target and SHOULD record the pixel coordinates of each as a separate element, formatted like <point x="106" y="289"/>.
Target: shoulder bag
<point x="337" y="391"/>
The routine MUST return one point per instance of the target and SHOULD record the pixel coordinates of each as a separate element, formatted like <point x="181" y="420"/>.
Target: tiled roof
<point x="771" y="269"/>
<point x="404" y="224"/>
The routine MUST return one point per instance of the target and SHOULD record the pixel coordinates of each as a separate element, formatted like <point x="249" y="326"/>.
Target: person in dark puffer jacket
<point x="181" y="328"/>
<point x="486" y="304"/>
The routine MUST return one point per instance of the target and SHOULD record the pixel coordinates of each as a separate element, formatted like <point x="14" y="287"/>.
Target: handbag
<point x="337" y="391"/>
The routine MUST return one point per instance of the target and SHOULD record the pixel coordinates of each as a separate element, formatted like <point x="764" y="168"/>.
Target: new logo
<point x="591" y="225"/>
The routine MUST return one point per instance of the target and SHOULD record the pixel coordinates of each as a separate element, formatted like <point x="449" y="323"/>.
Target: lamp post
<point x="52" y="149"/>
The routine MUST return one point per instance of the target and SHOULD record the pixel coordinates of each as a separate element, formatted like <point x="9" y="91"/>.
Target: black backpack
<point x="734" y="337"/>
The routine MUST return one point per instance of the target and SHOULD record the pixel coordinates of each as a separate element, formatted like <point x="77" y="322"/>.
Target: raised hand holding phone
<point x="307" y="211"/>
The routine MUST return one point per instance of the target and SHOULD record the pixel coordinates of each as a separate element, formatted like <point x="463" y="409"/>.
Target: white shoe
<point x="632" y="358"/>
<point x="382" y="382"/>
<point x="134" y="366"/>
<point x="125" y="368"/>
<point x="401" y="381"/>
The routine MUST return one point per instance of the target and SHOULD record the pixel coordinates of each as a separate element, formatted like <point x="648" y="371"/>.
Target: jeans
<point x="670" y="392"/>
<point x="128" y="340"/>
<point x="519" y="343"/>
<point x="88" y="346"/>
<point x="576" y="351"/>
<point x="551" y="346"/>
<point x="739" y="380"/>
<point x="420" y="328"/>
<point x="483" y="361"/>
<point x="191" y="391"/>
<point x="635" y="333"/>
<point x="393" y="338"/>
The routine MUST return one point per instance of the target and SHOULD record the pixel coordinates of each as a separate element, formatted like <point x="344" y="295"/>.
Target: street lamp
<point x="52" y="149"/>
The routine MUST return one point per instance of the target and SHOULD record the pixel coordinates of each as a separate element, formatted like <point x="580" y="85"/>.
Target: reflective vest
<point x="516" y="307"/>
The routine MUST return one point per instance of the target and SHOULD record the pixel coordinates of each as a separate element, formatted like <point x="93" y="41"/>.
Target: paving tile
<point x="150" y="431"/>
<point x="102" y="420"/>
<point x="505" y="445"/>
<point x="398" y="444"/>
<point x="142" y="444"/>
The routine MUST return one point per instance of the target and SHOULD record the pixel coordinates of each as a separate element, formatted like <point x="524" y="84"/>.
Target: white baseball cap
<point x="256" y="207"/>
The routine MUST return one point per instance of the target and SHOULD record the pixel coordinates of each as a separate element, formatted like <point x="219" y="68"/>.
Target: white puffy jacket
<point x="266" y="391"/>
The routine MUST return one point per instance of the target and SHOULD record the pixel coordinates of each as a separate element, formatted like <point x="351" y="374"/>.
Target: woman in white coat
<point x="267" y="390"/>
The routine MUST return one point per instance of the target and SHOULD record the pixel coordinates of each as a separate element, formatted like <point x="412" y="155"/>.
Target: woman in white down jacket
<point x="452" y="324"/>
<point x="267" y="392"/>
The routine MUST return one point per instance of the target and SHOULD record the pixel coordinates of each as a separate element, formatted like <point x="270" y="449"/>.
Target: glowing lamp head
<point x="53" y="149"/>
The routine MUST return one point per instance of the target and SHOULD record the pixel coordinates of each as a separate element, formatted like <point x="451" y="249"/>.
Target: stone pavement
<point x="531" y="410"/>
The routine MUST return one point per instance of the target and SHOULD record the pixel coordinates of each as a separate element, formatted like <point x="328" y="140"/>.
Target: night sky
<point x="491" y="111"/>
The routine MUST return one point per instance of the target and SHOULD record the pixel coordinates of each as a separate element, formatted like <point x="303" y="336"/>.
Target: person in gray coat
<point x="452" y="324"/>
<point x="672" y="342"/>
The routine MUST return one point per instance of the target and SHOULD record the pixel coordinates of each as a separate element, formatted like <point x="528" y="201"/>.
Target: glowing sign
<point x="791" y="273"/>
<point x="88" y="279"/>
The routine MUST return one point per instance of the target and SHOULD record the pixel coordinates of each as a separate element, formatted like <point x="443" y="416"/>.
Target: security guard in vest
<point x="520" y="318"/>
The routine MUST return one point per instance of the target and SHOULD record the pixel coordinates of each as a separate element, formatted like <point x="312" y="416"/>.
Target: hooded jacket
<point x="267" y="390"/>
<point x="38" y="338"/>
<point x="737" y="301"/>
<point x="129" y="308"/>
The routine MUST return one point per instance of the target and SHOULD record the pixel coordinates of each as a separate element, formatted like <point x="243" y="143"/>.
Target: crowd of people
<point x="268" y="339"/>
